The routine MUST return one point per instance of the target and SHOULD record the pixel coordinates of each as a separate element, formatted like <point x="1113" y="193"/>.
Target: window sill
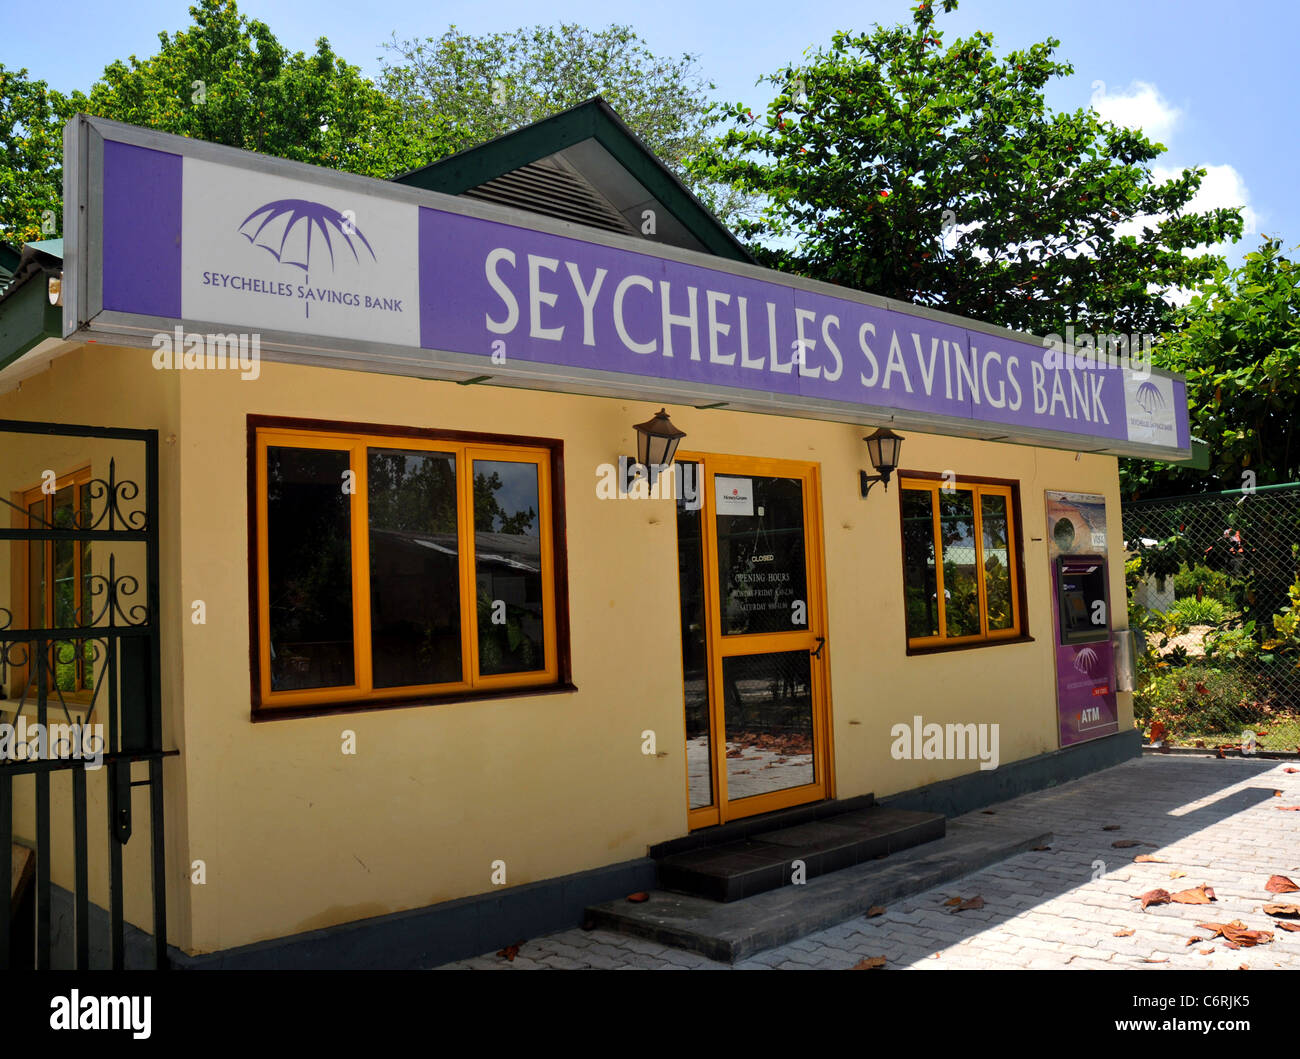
<point x="938" y="649"/>
<point x="279" y="713"/>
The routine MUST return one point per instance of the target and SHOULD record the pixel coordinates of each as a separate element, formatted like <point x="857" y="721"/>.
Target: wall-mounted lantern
<point x="656" y="446"/>
<point x="883" y="447"/>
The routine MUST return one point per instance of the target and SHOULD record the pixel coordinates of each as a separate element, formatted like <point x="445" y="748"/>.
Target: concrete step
<point x="736" y="930"/>
<point x="749" y="826"/>
<point x="765" y="861"/>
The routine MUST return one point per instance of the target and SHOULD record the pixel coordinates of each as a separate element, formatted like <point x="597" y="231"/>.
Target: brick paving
<point x="1216" y="822"/>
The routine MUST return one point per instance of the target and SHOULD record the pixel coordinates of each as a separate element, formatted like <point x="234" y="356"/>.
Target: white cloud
<point x="1140" y="106"/>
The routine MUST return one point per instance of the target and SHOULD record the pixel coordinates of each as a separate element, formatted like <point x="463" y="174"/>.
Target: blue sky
<point x="1214" y="82"/>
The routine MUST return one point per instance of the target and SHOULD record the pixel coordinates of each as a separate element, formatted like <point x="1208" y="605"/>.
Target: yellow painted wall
<point x="296" y="835"/>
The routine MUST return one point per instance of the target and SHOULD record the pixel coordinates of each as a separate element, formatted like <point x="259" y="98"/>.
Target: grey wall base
<point x="979" y="789"/>
<point x="456" y="930"/>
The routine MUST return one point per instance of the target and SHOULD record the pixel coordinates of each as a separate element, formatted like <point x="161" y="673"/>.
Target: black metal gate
<point x="86" y="667"/>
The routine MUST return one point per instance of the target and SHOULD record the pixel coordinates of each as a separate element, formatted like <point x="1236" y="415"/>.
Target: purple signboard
<point x="543" y="298"/>
<point x="397" y="278"/>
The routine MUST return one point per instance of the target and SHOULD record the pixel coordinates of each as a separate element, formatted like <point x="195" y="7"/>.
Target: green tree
<point x="31" y="157"/>
<point x="226" y="79"/>
<point x="489" y="85"/>
<point x="1238" y="343"/>
<point x="936" y="174"/>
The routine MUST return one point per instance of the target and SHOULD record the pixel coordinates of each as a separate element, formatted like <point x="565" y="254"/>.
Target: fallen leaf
<point x="1244" y="967"/>
<point x="1219" y="754"/>
<point x="1288" y="808"/>
<point x="1155" y="959"/>
<point x="1206" y="952"/>
<point x="1280" y="884"/>
<point x="952" y="901"/>
<point x="1153" y="897"/>
<point x="1293" y="927"/>
<point x="1291" y="770"/>
<point x="1146" y="858"/>
<point x="1041" y="849"/>
<point x="1230" y="945"/>
<point x="871" y="963"/>
<point x="1177" y="874"/>
<point x="989" y="812"/>
<point x="1282" y="910"/>
<point x="510" y="951"/>
<point x="1277" y="794"/>
<point x="1124" y="933"/>
<point x="1111" y="827"/>
<point x="875" y="910"/>
<point x="1197" y="895"/>
<point x="1125" y="843"/>
<point x="1192" y="941"/>
<point x="1237" y="934"/>
<point x="970" y="905"/>
<point x="639" y="897"/>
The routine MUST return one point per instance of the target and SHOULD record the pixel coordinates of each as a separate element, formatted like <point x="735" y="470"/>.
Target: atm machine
<point x="1081" y="617"/>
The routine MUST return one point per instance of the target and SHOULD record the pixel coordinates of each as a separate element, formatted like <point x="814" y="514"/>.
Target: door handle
<point x="821" y="642"/>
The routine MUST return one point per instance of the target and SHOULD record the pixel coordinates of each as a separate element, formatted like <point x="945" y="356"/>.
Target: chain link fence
<point x="1212" y="585"/>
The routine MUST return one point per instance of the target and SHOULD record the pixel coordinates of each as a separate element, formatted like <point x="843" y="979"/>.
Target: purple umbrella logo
<point x="287" y="226"/>
<point x="291" y="229"/>
<point x="1150" y="397"/>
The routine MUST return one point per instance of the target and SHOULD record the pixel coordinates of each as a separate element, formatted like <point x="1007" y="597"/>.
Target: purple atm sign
<point x="421" y="283"/>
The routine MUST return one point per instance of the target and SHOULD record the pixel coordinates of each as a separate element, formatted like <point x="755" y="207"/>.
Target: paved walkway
<point x="1207" y="821"/>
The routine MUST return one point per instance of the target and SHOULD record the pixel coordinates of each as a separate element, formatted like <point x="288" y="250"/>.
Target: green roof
<point x="584" y="165"/>
<point x="53" y="247"/>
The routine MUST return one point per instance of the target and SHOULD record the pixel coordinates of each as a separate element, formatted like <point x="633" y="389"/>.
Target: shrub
<point x="1198" y="699"/>
<point x="1190" y="611"/>
<point x="1212" y="583"/>
<point x="1235" y="644"/>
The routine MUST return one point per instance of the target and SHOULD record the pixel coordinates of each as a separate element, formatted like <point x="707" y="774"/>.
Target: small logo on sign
<point x="287" y="226"/>
<point x="1150" y="398"/>
<point x="1084" y="659"/>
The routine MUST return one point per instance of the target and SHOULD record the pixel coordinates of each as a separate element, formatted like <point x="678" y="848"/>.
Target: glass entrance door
<point x="753" y="631"/>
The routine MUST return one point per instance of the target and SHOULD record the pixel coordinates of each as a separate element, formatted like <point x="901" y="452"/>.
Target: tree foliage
<point x="935" y="173"/>
<point x="489" y="85"/>
<point x="225" y="79"/>
<point x="31" y="157"/>
<point x="1238" y="343"/>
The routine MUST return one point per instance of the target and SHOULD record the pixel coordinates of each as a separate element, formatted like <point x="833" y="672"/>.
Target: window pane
<point x="508" y="567"/>
<point x="997" y="561"/>
<point x="769" y="718"/>
<point x="695" y="659"/>
<point x="414" y="568"/>
<point x="36" y="569"/>
<point x="921" y="584"/>
<point x="762" y="571"/>
<point x="960" y="584"/>
<point x="309" y="553"/>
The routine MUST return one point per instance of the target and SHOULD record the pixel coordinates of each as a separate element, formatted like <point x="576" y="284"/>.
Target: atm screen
<point x="1080" y="586"/>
